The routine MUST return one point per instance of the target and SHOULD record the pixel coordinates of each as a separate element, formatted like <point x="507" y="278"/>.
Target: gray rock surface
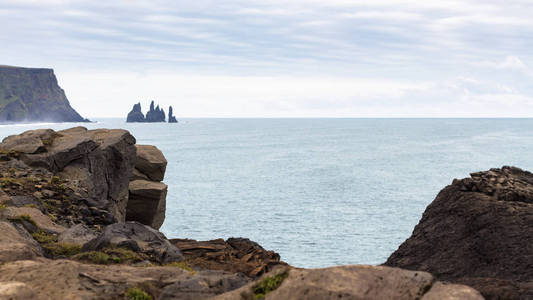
<point x="151" y="162"/>
<point x="100" y="161"/>
<point x="351" y="282"/>
<point x="147" y="203"/>
<point x="77" y="234"/>
<point x="139" y="238"/>
<point x="15" y="246"/>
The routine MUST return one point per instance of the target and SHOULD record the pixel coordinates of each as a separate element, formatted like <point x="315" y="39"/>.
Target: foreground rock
<point x="138" y="238"/>
<point x="31" y="95"/>
<point x="236" y="255"/>
<point x="350" y="282"/>
<point x="65" y="279"/>
<point x="98" y="163"/>
<point x="16" y="244"/>
<point x="478" y="231"/>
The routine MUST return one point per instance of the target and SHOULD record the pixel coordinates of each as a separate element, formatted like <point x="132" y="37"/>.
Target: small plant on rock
<point x="137" y="294"/>
<point x="182" y="265"/>
<point x="268" y="284"/>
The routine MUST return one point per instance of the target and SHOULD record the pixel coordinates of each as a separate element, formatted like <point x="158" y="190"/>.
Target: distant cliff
<point x="29" y="95"/>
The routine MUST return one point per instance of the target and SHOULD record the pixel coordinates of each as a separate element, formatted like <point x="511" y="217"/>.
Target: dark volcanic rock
<point x="234" y="255"/>
<point x="155" y="114"/>
<point x="28" y="95"/>
<point x="99" y="162"/>
<point x="139" y="238"/>
<point x="171" y="117"/>
<point x="147" y="203"/>
<point x="136" y="115"/>
<point x="478" y="231"/>
<point x="151" y="162"/>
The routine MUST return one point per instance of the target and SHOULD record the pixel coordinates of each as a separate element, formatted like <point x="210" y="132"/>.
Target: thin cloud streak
<point x="398" y="42"/>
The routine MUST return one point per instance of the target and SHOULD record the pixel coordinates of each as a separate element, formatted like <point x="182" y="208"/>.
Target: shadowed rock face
<point x="30" y="95"/>
<point x="171" y="117"/>
<point x="478" y="231"/>
<point x="136" y="114"/>
<point x="155" y="115"/>
<point x="99" y="162"/>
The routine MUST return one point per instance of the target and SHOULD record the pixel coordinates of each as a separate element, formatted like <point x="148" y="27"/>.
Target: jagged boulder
<point x="151" y="162"/>
<point x="478" y="231"/>
<point x="147" y="203"/>
<point x="136" y="237"/>
<point x="349" y="282"/>
<point x="98" y="162"/>
<point x="235" y="255"/>
<point x="147" y="196"/>
<point x="136" y="114"/>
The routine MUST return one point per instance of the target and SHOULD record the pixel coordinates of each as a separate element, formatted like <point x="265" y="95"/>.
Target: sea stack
<point x="155" y="114"/>
<point x="171" y="117"/>
<point x="136" y="114"/>
<point x="33" y="95"/>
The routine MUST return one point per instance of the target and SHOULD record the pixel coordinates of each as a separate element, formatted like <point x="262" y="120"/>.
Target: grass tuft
<point x="182" y="265"/>
<point x="22" y="218"/>
<point x="110" y="256"/>
<point x="62" y="249"/>
<point x="137" y="294"/>
<point x="268" y="284"/>
<point x="44" y="237"/>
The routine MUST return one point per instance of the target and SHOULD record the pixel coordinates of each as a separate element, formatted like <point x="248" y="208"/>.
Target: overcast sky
<point x="273" y="58"/>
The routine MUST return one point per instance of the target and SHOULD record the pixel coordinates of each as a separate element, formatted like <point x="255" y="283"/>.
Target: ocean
<point x="320" y="192"/>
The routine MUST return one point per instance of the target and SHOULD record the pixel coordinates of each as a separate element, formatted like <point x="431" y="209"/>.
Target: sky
<point x="273" y="58"/>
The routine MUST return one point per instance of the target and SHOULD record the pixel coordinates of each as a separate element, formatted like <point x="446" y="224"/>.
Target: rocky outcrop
<point x="478" y="231"/>
<point x="171" y="117"/>
<point x="147" y="203"/>
<point x="31" y="95"/>
<point x="97" y="162"/>
<point x="147" y="195"/>
<point x="349" y="282"/>
<point x="235" y="255"/>
<point x="151" y="162"/>
<point x="138" y="238"/>
<point x="155" y="115"/>
<point x="136" y="114"/>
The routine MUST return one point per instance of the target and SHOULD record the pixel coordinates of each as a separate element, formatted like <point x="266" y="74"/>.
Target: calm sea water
<point x="320" y="192"/>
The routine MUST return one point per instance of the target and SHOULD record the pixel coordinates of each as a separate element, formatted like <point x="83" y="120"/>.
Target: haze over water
<point x="320" y="192"/>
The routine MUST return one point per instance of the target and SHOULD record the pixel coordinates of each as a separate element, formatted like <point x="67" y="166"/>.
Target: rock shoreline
<point x="80" y="211"/>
